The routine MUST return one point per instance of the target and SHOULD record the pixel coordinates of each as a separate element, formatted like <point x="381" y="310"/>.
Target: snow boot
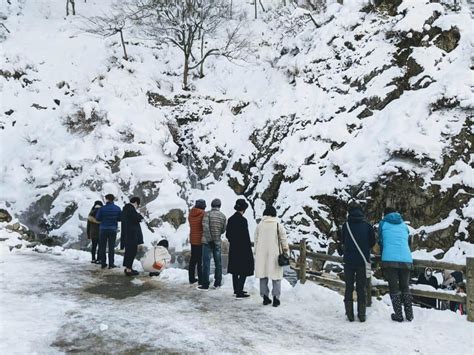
<point x="266" y="300"/>
<point x="397" y="307"/>
<point x="361" y="311"/>
<point x="407" y="300"/>
<point x="276" y="302"/>
<point x="349" y="310"/>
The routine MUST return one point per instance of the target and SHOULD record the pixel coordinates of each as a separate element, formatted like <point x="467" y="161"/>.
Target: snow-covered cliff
<point x="355" y="102"/>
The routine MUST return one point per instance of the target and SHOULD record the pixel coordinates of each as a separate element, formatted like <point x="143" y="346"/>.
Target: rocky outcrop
<point x="5" y="216"/>
<point x="175" y="217"/>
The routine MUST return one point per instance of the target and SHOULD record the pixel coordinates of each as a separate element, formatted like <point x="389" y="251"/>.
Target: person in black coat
<point x="354" y="263"/>
<point x="427" y="278"/>
<point x="131" y="235"/>
<point x="241" y="262"/>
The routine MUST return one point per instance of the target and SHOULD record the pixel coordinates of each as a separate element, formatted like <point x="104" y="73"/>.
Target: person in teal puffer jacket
<point x="397" y="262"/>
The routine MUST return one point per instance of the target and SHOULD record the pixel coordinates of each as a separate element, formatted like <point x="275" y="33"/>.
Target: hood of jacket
<point x="393" y="218"/>
<point x="196" y="212"/>
<point x="356" y="215"/>
<point x="269" y="219"/>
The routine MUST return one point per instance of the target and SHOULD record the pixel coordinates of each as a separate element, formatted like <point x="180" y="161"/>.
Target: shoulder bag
<point x="283" y="259"/>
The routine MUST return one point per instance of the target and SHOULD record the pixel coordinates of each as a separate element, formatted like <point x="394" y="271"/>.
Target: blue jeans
<point x="107" y="237"/>
<point x="215" y="251"/>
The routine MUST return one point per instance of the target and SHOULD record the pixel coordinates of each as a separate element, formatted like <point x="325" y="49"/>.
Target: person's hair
<point x="388" y="210"/>
<point x="99" y="203"/>
<point x="135" y="200"/>
<point x="110" y="197"/>
<point x="163" y="243"/>
<point x="216" y="203"/>
<point x="462" y="286"/>
<point x="270" y="211"/>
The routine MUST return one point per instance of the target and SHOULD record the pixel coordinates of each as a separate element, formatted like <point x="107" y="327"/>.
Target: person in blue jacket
<point x="108" y="216"/>
<point x="397" y="262"/>
<point x="354" y="263"/>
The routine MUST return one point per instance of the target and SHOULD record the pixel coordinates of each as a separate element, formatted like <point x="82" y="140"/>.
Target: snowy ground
<point x="62" y="303"/>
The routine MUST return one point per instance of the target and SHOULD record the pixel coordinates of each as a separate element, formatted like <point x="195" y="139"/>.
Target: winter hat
<point x="201" y="204"/>
<point x="216" y="203"/>
<point x="241" y="205"/>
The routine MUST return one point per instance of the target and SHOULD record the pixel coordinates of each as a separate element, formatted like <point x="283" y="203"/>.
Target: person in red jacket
<point x="196" y="214"/>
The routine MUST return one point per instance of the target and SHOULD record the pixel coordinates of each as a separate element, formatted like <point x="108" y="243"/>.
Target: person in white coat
<point x="270" y="241"/>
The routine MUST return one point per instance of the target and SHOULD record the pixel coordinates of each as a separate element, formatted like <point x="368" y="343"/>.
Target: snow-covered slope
<point x="351" y="103"/>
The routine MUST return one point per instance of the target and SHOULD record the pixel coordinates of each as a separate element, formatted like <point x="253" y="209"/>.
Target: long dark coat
<point x="240" y="249"/>
<point x="131" y="233"/>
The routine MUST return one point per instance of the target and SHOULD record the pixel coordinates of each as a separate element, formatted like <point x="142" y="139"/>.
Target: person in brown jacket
<point x="92" y="230"/>
<point x="195" y="237"/>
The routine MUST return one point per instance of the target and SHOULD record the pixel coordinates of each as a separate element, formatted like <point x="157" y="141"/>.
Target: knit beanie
<point x="201" y="204"/>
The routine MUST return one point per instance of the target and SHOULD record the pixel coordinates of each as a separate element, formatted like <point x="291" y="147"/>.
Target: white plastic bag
<point x="155" y="259"/>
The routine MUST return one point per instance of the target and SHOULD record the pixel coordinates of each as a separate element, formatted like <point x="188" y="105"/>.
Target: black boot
<point x="361" y="311"/>
<point x="266" y="300"/>
<point x="276" y="302"/>
<point x="407" y="300"/>
<point x="397" y="308"/>
<point x="349" y="310"/>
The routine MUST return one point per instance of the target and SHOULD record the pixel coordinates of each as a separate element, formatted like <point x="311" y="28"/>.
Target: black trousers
<point x="107" y="239"/>
<point x="355" y="274"/>
<point x="196" y="260"/>
<point x="131" y="250"/>
<point x="398" y="280"/>
<point x="238" y="281"/>
<point x="95" y="243"/>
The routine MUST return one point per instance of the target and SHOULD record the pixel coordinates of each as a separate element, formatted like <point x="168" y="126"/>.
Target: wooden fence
<point x="300" y="264"/>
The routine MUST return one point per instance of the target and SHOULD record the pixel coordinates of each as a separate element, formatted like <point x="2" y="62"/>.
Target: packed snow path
<point x="61" y="303"/>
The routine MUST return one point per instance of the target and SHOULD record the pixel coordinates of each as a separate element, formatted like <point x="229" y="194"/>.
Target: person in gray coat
<point x="213" y="225"/>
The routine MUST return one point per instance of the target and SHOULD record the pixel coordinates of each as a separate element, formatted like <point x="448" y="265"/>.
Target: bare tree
<point x="108" y="25"/>
<point x="186" y="24"/>
<point x="256" y="5"/>
<point x="73" y="7"/>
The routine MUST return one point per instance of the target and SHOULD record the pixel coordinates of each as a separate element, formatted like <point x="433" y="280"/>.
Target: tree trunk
<point x="67" y="7"/>
<point x="255" y="9"/>
<point x="73" y="4"/>
<point x="186" y="71"/>
<point x="201" y="67"/>
<point x="125" y="56"/>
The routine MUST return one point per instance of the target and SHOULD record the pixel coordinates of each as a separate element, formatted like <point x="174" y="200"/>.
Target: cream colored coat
<point x="267" y="250"/>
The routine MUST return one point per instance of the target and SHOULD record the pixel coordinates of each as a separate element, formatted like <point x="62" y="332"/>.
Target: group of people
<point x="102" y="226"/>
<point x="207" y="228"/>
<point x="206" y="231"/>
<point x="451" y="280"/>
<point x="357" y="237"/>
<point x="355" y="243"/>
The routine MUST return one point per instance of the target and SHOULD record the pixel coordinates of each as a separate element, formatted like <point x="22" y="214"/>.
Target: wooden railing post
<point x="302" y="263"/>
<point x="470" y="289"/>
